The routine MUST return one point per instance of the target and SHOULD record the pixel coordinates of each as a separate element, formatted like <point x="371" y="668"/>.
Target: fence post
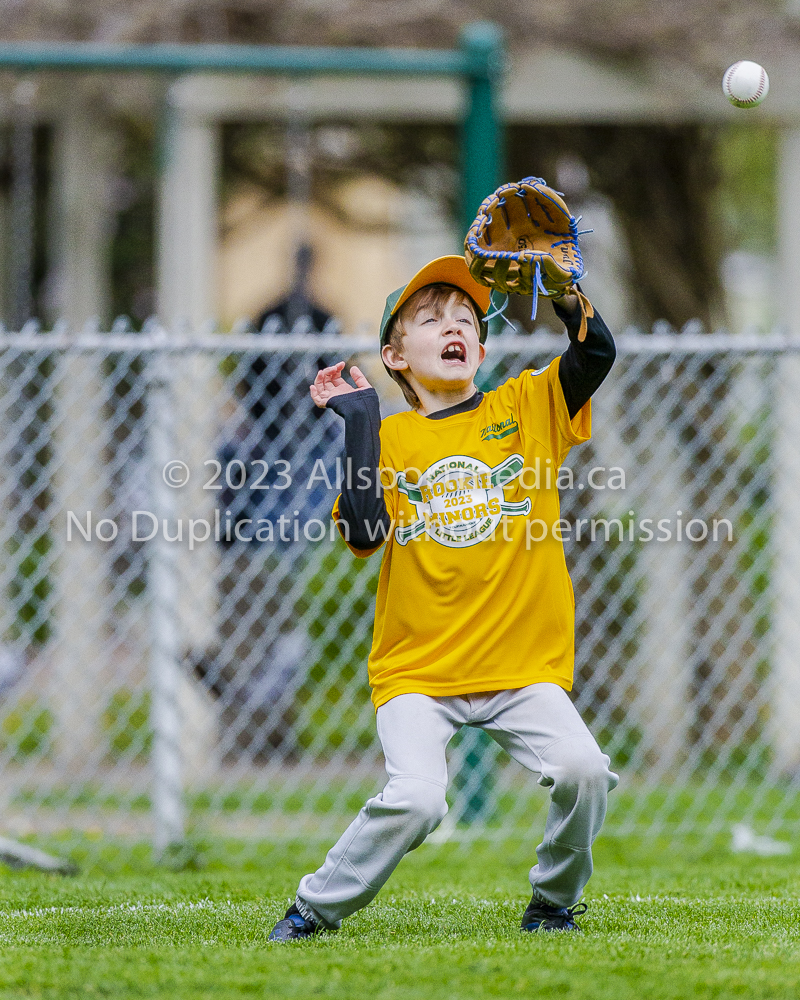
<point x="785" y="679"/>
<point x="162" y="593"/>
<point x="83" y="624"/>
<point x="187" y="240"/>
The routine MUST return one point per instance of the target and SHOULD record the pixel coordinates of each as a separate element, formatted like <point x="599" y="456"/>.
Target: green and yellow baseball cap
<point x="450" y="270"/>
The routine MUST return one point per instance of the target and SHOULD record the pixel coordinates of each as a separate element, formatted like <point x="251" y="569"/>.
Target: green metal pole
<point x="164" y="58"/>
<point x="482" y="166"/>
<point x="482" y="143"/>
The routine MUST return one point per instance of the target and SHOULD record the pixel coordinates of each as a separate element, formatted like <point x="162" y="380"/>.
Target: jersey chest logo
<point x="459" y="500"/>
<point x="500" y="429"/>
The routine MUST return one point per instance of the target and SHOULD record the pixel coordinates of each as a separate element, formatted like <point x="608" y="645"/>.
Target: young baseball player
<point x="474" y="620"/>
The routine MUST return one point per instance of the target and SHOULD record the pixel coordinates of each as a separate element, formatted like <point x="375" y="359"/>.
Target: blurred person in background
<point x="262" y="656"/>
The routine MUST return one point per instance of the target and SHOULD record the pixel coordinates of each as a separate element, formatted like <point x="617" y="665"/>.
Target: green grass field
<point x="664" y="921"/>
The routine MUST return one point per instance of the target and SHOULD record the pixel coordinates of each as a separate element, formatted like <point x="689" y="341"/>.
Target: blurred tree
<point x="683" y="194"/>
<point x="412" y="154"/>
<point x="662" y="181"/>
<point x="133" y="244"/>
<point x="39" y="180"/>
<point x="701" y="34"/>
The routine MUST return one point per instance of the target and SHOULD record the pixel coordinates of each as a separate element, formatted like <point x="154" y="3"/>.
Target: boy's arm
<point x="583" y="365"/>
<point x="361" y="504"/>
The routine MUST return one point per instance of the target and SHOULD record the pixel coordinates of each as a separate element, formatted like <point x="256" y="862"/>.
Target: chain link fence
<point x="184" y="636"/>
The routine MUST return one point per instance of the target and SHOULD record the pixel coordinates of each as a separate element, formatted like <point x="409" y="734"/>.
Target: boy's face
<point x="441" y="348"/>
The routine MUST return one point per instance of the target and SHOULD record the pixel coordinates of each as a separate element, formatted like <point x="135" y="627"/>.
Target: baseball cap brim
<point x="450" y="270"/>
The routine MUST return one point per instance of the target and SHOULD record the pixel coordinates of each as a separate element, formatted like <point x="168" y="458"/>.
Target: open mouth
<point x="454" y="352"/>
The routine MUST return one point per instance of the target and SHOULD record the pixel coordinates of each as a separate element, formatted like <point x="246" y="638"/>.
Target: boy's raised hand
<point x="329" y="383"/>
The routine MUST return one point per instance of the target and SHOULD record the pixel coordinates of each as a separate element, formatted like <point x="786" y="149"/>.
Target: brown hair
<point x="434" y="297"/>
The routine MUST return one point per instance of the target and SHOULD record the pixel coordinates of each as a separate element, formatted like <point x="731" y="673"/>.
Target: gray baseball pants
<point x="537" y="725"/>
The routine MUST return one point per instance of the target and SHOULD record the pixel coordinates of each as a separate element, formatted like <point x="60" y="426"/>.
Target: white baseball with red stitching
<point x="745" y="84"/>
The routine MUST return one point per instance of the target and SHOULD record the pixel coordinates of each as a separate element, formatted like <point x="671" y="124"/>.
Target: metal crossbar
<point x="157" y="339"/>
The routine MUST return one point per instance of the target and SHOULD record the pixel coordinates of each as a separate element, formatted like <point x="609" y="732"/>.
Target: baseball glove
<point x="525" y="240"/>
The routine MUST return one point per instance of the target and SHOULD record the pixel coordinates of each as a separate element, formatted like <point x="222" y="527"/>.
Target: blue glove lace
<point x="498" y="311"/>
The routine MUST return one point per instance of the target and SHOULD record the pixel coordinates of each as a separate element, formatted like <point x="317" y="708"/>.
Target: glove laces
<point x="499" y="311"/>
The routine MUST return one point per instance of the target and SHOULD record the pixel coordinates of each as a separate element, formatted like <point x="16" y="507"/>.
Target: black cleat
<point x="542" y="916"/>
<point x="293" y="927"/>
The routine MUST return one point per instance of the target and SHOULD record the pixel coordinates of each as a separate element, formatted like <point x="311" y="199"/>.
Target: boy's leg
<point x="540" y="727"/>
<point x="414" y="731"/>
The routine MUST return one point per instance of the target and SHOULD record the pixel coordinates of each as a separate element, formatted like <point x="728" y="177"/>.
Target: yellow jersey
<point x="474" y="593"/>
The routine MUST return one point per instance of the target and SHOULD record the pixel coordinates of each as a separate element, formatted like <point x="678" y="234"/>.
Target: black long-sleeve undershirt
<point x="581" y="370"/>
<point x="583" y="366"/>
<point x="361" y="506"/>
